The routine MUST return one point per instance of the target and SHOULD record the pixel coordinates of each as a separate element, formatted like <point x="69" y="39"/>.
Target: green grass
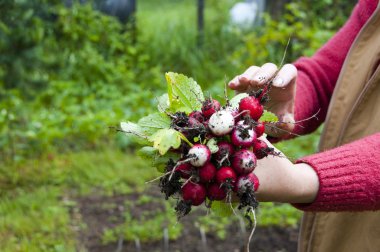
<point x="35" y="220"/>
<point x="36" y="197"/>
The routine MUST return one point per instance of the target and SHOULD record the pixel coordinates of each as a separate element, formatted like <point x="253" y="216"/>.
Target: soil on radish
<point x="98" y="218"/>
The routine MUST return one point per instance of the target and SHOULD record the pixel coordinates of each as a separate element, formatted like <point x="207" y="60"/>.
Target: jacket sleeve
<point x="349" y="177"/>
<point x="318" y="75"/>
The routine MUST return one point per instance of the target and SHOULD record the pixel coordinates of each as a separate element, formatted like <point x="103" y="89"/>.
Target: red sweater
<point x="349" y="176"/>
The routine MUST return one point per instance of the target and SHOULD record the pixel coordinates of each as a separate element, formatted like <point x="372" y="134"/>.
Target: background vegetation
<point x="66" y="75"/>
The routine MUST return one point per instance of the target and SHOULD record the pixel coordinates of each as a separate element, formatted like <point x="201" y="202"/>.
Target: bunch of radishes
<point x="206" y="152"/>
<point x="220" y="155"/>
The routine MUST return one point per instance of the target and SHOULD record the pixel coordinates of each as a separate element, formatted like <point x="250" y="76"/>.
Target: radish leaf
<point x="130" y="128"/>
<point x="268" y="117"/>
<point x="184" y="93"/>
<point x="153" y="122"/>
<point x="164" y="139"/>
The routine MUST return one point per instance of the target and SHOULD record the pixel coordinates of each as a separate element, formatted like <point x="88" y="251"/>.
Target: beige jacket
<point x="354" y="112"/>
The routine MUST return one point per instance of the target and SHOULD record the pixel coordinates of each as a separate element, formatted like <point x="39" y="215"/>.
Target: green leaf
<point x="153" y="122"/>
<point x="184" y="93"/>
<point x="164" y="139"/>
<point x="268" y="117"/>
<point x="160" y="162"/>
<point x="147" y="152"/>
<point x="222" y="208"/>
<point x="132" y="129"/>
<point x="163" y="103"/>
<point x="212" y="145"/>
<point x="234" y="102"/>
<point x="151" y="155"/>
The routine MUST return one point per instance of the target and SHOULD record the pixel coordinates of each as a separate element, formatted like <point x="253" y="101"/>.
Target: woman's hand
<point x="281" y="95"/>
<point x="282" y="181"/>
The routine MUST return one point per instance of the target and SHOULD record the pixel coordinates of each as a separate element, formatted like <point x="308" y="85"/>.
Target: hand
<point x="282" y="181"/>
<point x="281" y="95"/>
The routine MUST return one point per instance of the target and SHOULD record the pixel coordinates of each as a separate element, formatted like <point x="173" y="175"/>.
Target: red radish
<point x="197" y="115"/>
<point x="261" y="149"/>
<point x="221" y="123"/>
<point x="243" y="135"/>
<point x="259" y="129"/>
<point x="225" y="150"/>
<point x="185" y="170"/>
<point x="194" y="193"/>
<point x="216" y="192"/>
<point x="210" y="106"/>
<point x="247" y="183"/>
<point x="195" y="128"/>
<point x="226" y="175"/>
<point x="244" y="161"/>
<point x="234" y="112"/>
<point x="253" y="105"/>
<point x="207" y="172"/>
<point x="194" y="123"/>
<point x="199" y="154"/>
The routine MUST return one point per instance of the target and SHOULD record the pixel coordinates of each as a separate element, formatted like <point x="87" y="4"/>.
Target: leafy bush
<point x="66" y="79"/>
<point x="67" y="74"/>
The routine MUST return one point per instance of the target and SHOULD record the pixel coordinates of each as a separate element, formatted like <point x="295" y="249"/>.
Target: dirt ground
<point x="97" y="219"/>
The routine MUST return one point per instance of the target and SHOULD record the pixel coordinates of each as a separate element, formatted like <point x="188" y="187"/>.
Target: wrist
<point x="286" y="182"/>
<point x="307" y="182"/>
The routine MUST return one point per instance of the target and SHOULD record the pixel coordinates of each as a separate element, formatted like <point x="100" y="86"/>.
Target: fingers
<point x="265" y="73"/>
<point x="247" y="76"/>
<point x="253" y="76"/>
<point x="242" y="82"/>
<point x="257" y="76"/>
<point x="286" y="75"/>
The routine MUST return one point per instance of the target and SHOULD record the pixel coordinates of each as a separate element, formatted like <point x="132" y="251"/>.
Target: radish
<point x="262" y="150"/>
<point x="246" y="187"/>
<point x="244" y="161"/>
<point x="260" y="129"/>
<point x="226" y="175"/>
<point x="193" y="193"/>
<point x="197" y="115"/>
<point x="247" y="182"/>
<point x="216" y="192"/>
<point x="225" y="150"/>
<point x="185" y="170"/>
<point x="253" y="105"/>
<point x="199" y="155"/>
<point x="221" y="123"/>
<point x="195" y="128"/>
<point x="207" y="173"/>
<point x="243" y="135"/>
<point x="234" y="112"/>
<point x="209" y="107"/>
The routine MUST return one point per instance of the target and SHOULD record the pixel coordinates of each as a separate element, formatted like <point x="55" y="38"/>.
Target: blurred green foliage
<point x="68" y="74"/>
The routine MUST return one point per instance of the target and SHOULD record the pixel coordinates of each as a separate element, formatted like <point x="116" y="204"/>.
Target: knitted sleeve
<point x="349" y="177"/>
<point x="318" y="75"/>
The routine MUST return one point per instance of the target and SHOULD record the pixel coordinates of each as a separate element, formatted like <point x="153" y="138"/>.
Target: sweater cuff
<point x="345" y="183"/>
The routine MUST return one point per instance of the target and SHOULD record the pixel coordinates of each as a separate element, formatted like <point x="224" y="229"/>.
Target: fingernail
<point x="279" y="82"/>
